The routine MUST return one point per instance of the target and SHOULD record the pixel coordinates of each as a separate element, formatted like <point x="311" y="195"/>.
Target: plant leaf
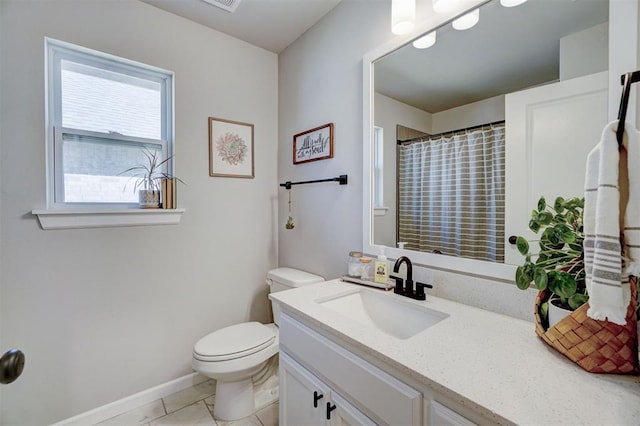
<point x="540" y="278"/>
<point x="544" y="218"/>
<point x="534" y="226"/>
<point x="558" y="205"/>
<point x="522" y="245"/>
<point x="562" y="284"/>
<point x="542" y="204"/>
<point x="544" y="309"/>
<point x="523" y="279"/>
<point x="564" y="233"/>
<point x="578" y="300"/>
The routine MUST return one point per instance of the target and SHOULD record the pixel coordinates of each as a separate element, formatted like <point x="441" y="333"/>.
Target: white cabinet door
<point x="305" y="400"/>
<point x="550" y="130"/>
<point x="342" y="413"/>
<point x="303" y="397"/>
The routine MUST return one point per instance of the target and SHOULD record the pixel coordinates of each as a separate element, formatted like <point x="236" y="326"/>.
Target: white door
<point x="303" y="397"/>
<point x="549" y="130"/>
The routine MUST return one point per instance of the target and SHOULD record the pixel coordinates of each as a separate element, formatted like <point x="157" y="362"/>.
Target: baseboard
<point x="123" y="405"/>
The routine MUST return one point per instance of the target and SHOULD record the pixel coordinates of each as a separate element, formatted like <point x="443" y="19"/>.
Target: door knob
<point x="11" y="366"/>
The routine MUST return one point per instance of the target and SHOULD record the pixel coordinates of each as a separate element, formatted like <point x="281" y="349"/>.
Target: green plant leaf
<point x="574" y="203"/>
<point x="551" y="240"/>
<point x="542" y="204"/>
<point x="564" y="233"/>
<point x="534" y="226"/>
<point x="544" y="309"/>
<point x="523" y="279"/>
<point x="571" y="217"/>
<point x="522" y="245"/>
<point x="562" y="284"/>
<point x="578" y="300"/>
<point x="540" y="278"/>
<point x="558" y="205"/>
<point x="544" y="218"/>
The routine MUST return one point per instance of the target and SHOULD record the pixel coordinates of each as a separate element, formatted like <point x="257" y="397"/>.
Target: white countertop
<point x="491" y="363"/>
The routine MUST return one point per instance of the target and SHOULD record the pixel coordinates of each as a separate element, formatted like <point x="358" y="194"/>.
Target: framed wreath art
<point x="230" y="148"/>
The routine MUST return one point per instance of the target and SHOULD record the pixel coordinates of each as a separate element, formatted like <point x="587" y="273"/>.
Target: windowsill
<point x="380" y="211"/>
<point x="79" y="219"/>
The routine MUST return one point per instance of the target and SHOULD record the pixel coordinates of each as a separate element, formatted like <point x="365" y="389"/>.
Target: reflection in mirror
<point x="479" y="125"/>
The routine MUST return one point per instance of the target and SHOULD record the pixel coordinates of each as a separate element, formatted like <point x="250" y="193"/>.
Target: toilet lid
<point x="234" y="341"/>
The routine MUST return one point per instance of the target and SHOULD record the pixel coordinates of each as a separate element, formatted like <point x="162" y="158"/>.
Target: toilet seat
<point x="236" y="341"/>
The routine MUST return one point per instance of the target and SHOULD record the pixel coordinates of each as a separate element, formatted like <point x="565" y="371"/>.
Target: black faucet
<point x="406" y="288"/>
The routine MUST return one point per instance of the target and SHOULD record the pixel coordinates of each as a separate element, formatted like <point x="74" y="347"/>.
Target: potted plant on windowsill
<point x="555" y="265"/>
<point x="148" y="178"/>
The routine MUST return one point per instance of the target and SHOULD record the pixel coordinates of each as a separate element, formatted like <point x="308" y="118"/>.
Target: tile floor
<point x="190" y="407"/>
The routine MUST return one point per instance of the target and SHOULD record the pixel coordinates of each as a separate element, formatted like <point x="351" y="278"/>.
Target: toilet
<point x="234" y="356"/>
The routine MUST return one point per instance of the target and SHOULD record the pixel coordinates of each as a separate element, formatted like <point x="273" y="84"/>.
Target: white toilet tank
<point x="286" y="278"/>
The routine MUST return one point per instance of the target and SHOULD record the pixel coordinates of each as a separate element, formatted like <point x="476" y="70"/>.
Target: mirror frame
<point x="624" y="56"/>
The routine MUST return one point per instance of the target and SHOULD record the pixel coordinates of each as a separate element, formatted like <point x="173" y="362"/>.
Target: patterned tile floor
<point x="190" y="407"/>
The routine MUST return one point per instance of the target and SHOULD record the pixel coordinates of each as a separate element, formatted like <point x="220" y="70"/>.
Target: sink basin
<point x="387" y="313"/>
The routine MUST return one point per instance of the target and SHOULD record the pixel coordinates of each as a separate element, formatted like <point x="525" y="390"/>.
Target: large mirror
<point x="502" y="101"/>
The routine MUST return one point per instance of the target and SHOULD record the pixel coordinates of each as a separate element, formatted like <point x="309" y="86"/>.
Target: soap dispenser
<point x="381" y="268"/>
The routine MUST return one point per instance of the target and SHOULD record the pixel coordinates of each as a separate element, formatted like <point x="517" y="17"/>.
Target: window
<point x="103" y="113"/>
<point x="378" y="168"/>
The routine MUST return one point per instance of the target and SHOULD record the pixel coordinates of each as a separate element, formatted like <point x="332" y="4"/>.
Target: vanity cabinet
<point x="316" y="371"/>
<point x="309" y="401"/>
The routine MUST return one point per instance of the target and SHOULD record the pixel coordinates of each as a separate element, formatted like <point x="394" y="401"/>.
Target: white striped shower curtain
<point x="451" y="193"/>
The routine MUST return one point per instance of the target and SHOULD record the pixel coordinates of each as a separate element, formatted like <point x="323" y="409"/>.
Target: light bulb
<point x="444" y="6"/>
<point x="467" y="21"/>
<point x="425" y="41"/>
<point x="403" y="15"/>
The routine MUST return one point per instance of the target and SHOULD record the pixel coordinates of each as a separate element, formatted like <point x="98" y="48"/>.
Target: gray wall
<point x="321" y="82"/>
<point x="105" y="313"/>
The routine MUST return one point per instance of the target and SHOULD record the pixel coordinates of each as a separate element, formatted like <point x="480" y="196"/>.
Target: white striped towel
<point x="607" y="284"/>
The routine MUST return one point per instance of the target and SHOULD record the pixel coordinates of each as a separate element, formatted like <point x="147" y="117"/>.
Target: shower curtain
<point x="451" y="193"/>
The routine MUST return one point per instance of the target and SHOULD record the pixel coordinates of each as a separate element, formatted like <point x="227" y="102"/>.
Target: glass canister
<point x="354" y="269"/>
<point x="366" y="266"/>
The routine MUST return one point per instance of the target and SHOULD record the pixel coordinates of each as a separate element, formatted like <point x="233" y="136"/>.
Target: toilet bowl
<point x="234" y="356"/>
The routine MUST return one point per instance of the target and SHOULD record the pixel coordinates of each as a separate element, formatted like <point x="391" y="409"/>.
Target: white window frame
<point x="378" y="171"/>
<point x="57" y="51"/>
<point x="62" y="215"/>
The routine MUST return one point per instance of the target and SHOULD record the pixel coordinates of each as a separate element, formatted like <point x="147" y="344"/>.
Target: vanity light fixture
<point x="444" y="6"/>
<point x="511" y="3"/>
<point x="425" y="41"/>
<point x="403" y="16"/>
<point x="467" y="21"/>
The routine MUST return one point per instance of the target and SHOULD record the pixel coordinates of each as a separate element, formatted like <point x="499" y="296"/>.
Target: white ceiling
<point x="270" y="24"/>
<point x="508" y="50"/>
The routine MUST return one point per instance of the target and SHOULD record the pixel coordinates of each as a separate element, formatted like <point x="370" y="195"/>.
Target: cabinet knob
<point x="316" y="397"/>
<point x="330" y="408"/>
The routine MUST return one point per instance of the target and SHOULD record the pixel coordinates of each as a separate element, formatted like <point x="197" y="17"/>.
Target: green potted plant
<point x="148" y="178"/>
<point x="555" y="265"/>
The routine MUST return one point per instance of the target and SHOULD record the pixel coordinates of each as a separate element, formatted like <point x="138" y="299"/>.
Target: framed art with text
<point x="313" y="145"/>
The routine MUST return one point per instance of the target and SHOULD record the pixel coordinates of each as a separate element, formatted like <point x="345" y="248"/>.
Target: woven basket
<point x="596" y="346"/>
